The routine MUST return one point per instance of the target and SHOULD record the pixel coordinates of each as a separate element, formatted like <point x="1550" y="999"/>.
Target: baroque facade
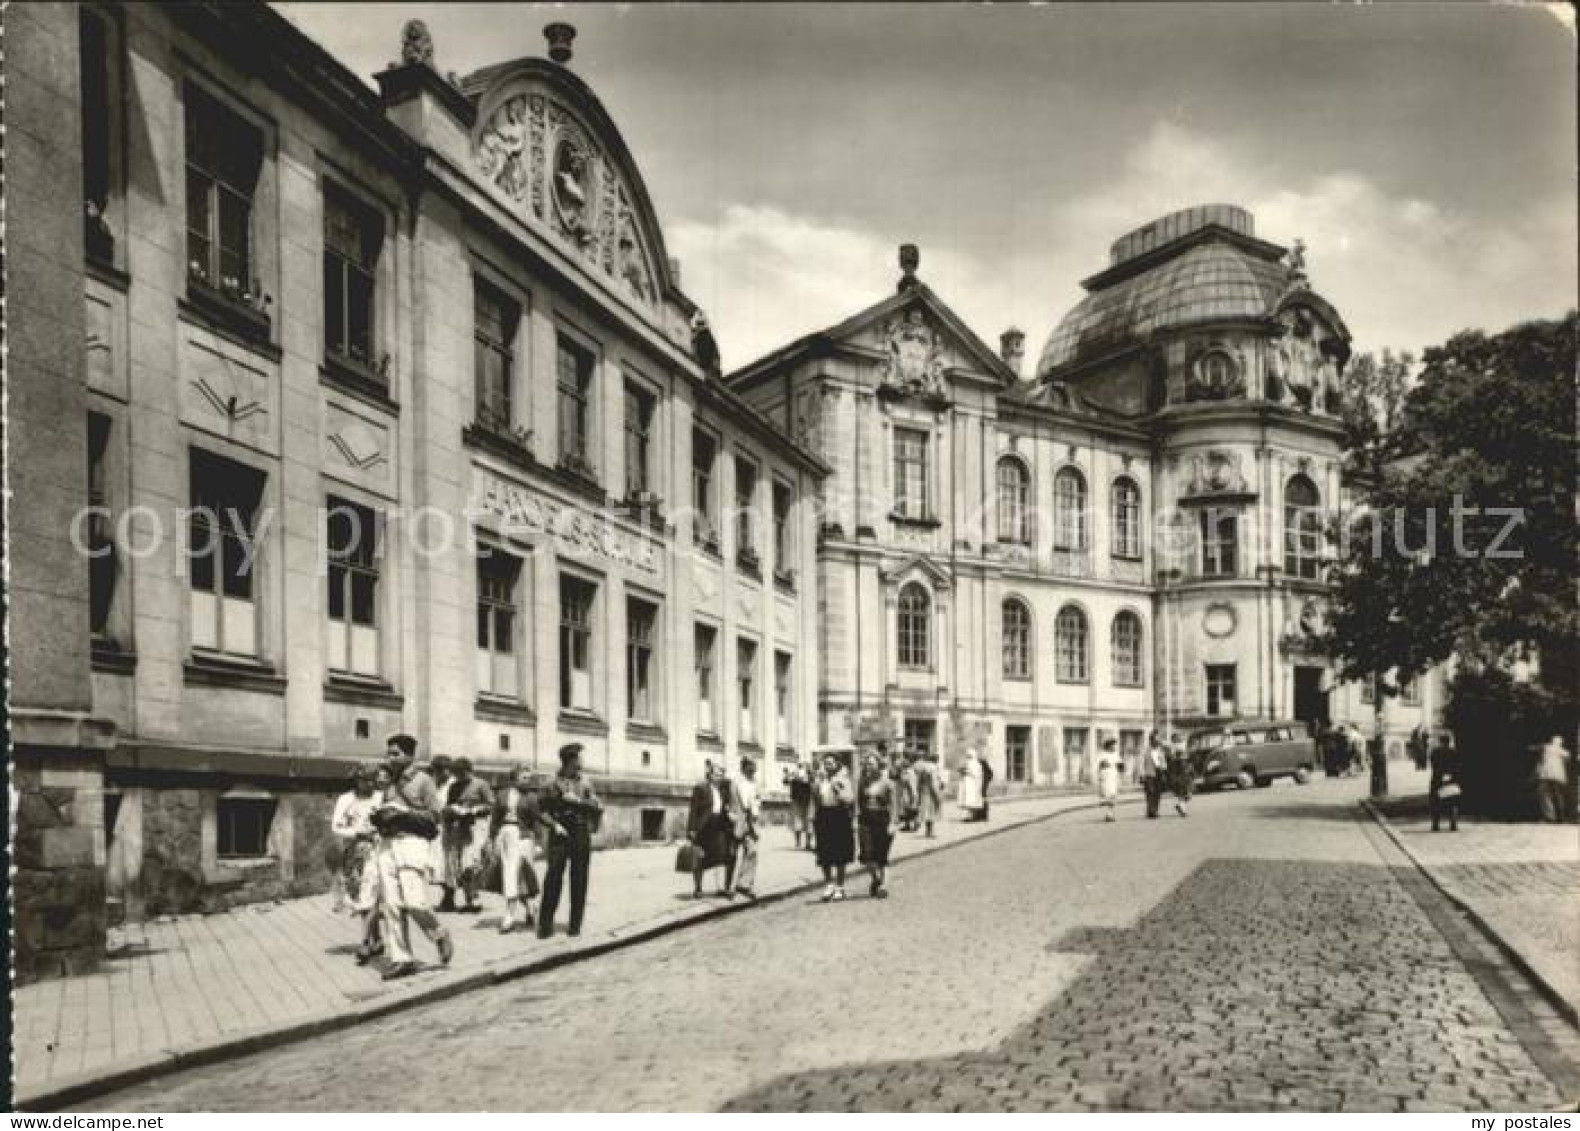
<point x="337" y="414"/>
<point x="1130" y="538"/>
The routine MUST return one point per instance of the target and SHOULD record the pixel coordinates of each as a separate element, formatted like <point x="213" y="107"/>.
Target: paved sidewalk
<point x="197" y="988"/>
<point x="1521" y="880"/>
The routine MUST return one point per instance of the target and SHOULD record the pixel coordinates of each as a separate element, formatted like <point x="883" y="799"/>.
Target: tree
<point x="1466" y="542"/>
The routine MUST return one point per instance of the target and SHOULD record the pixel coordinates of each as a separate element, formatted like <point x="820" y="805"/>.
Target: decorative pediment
<point x="919" y="565"/>
<point x="545" y="144"/>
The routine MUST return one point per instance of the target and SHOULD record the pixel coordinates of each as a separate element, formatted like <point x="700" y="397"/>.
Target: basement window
<point x="242" y="825"/>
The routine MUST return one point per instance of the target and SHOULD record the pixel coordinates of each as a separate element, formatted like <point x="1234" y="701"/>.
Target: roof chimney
<point x="1012" y="348"/>
<point x="559" y="36"/>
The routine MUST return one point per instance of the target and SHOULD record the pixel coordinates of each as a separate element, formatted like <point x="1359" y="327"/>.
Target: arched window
<point x="1069" y="510"/>
<point x="1127" y="519"/>
<point x="915" y="627"/>
<point x="1127" y="650"/>
<point x="1069" y="645"/>
<point x="1013" y="502"/>
<point x="1302" y="529"/>
<point x="1017" y="639"/>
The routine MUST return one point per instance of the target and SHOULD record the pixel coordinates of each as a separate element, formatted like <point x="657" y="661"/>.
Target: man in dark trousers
<point x="1153" y="762"/>
<point x="571" y="812"/>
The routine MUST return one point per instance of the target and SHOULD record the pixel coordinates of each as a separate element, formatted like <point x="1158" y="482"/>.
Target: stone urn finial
<point x="910" y="259"/>
<point x="416" y="44"/>
<point x="560" y="37"/>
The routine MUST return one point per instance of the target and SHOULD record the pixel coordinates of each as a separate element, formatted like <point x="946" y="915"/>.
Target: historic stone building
<point x="1130" y="538"/>
<point x="335" y="414"/>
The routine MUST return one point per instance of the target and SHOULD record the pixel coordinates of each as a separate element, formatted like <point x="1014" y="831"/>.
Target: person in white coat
<point x="970" y="795"/>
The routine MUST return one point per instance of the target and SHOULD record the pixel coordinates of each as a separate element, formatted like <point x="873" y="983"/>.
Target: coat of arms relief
<point x="913" y="362"/>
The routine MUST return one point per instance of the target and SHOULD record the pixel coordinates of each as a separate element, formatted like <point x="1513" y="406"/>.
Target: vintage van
<point x="1250" y="752"/>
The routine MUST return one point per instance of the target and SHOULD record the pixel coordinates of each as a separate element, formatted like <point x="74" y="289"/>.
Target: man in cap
<point x="571" y="810"/>
<point x="408" y="821"/>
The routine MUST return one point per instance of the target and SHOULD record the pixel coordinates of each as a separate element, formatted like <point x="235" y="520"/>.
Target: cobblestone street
<point x="1260" y="954"/>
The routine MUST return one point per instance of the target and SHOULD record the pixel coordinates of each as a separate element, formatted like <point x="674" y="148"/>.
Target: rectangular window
<point x="1219" y="536"/>
<point x="353" y="238"/>
<point x="784" y="702"/>
<point x="746" y="511"/>
<point x="103" y="567"/>
<point x="639" y="408"/>
<point x="224" y="160"/>
<point x="704" y="461"/>
<point x="95" y="37"/>
<point x="1017" y="753"/>
<point x="1220" y="689"/>
<point x="575" y="368"/>
<point x="641" y="671"/>
<point x="1130" y="744"/>
<point x="1410" y="693"/>
<point x="910" y="473"/>
<point x="498" y="575"/>
<point x="353" y="541"/>
<point x="1076" y="767"/>
<point x="784" y="504"/>
<point x="222" y="553"/>
<point x="494" y="322"/>
<point x="746" y="687"/>
<point x="576" y="643"/>
<point x="242" y="826"/>
<point x="704" y="663"/>
<point x="919" y="737"/>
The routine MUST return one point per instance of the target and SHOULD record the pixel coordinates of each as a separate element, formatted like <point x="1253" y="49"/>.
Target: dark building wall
<point x="58" y="889"/>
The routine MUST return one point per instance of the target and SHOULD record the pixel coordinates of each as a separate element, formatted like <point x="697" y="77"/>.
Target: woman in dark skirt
<point x="831" y="820"/>
<point x="877" y="805"/>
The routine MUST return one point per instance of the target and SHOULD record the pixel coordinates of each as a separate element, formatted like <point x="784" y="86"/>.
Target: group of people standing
<point x="404" y="827"/>
<point x="1164" y="766"/>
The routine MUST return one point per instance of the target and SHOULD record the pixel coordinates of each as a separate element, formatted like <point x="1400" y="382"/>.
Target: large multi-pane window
<point x="576" y="643"/>
<point x="1126" y="654"/>
<point x="784" y="544"/>
<point x="910" y="473"/>
<point x="746" y="687"/>
<point x="1017" y="753"/>
<point x="915" y="627"/>
<point x="1127" y="519"/>
<point x="1220" y="689"/>
<point x="1014" y="502"/>
<point x="1017" y="638"/>
<point x="494" y="322"/>
<point x="639" y="410"/>
<point x="222" y="553"/>
<point x="498" y="576"/>
<point x="574" y="374"/>
<point x="353" y="539"/>
<point x="1069" y="645"/>
<point x="705" y="665"/>
<point x="704" y="466"/>
<point x="1219" y="541"/>
<point x="745" y="509"/>
<point x="919" y="737"/>
<point x="1302" y="529"/>
<point x="224" y="159"/>
<point x="1069" y="510"/>
<point x="641" y="669"/>
<point x="784" y="701"/>
<point x="353" y="238"/>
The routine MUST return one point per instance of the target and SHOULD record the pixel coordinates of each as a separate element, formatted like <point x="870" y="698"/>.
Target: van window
<point x="1246" y="737"/>
<point x="1280" y="734"/>
<point x="1207" y="741"/>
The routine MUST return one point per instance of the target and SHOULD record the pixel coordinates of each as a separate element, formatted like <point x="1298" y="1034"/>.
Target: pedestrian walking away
<point x="1552" y="779"/>
<point x="970" y="795"/>
<point x="466" y="832"/>
<point x="929" y="794"/>
<point x="572" y="813"/>
<point x="1108" y="778"/>
<point x="878" y="802"/>
<point x="516" y="822"/>
<point x="907" y="780"/>
<point x="798" y="782"/>
<point x="746" y="816"/>
<point x="1154" y="765"/>
<point x="1182" y="775"/>
<point x="709" y="829"/>
<point x="408" y="823"/>
<point x="832" y="815"/>
<point x="1445" y="790"/>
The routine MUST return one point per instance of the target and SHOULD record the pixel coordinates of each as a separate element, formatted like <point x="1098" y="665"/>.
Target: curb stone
<point x="66" y="1090"/>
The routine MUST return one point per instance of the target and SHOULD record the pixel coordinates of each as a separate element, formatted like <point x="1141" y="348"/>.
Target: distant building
<point x="1129" y="539"/>
<point x="392" y="416"/>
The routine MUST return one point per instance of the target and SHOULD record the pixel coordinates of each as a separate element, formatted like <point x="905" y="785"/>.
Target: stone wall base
<point x="57" y="890"/>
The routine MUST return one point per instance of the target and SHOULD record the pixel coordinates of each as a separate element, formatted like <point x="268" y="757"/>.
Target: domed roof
<point x="1210" y="272"/>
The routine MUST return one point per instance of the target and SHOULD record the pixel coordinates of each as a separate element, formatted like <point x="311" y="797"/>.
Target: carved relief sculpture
<point x="1216" y="473"/>
<point x="913" y="360"/>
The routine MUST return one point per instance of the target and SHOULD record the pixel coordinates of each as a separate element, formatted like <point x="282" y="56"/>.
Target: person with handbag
<point x="1444" y="791"/>
<point x="408" y="823"/>
<point x="571" y="814"/>
<point x="831" y="821"/>
<point x="876" y="813"/>
<point x="710" y="830"/>
<point x="464" y="833"/>
<point x="515" y="823"/>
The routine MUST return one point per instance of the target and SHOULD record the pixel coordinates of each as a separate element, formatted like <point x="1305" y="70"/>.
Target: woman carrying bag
<point x="516" y="821"/>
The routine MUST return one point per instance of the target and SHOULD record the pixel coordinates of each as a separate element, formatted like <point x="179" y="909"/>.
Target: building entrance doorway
<point x="1311" y="700"/>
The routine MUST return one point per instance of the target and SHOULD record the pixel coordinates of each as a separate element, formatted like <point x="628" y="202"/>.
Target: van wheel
<point x="1302" y="775"/>
<point x="1245" y="779"/>
<point x="1264" y="783"/>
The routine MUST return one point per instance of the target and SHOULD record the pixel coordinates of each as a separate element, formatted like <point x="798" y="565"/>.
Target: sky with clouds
<point x="1425" y="153"/>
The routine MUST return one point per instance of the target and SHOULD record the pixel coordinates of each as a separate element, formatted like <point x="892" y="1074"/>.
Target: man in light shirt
<point x="746" y="816"/>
